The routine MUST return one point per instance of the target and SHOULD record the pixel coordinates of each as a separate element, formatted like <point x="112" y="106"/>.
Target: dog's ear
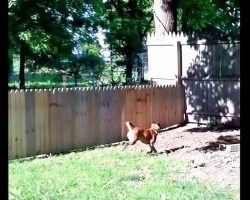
<point x="158" y="126"/>
<point x="155" y="125"/>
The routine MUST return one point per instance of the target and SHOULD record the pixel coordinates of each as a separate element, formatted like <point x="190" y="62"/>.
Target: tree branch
<point x="160" y="21"/>
<point x="118" y="7"/>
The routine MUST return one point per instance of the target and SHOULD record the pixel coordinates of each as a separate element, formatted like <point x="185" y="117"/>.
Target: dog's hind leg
<point x="125" y="146"/>
<point x="131" y="143"/>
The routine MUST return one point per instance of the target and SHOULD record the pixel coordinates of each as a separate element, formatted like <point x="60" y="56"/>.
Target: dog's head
<point x="155" y="126"/>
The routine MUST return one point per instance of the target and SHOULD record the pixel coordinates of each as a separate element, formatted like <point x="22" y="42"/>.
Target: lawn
<point x="106" y="173"/>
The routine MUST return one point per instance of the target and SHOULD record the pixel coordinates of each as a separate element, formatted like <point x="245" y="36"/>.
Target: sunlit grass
<point x="106" y="173"/>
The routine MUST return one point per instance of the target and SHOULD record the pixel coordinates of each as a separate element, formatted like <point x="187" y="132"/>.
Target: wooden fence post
<point x="179" y="63"/>
<point x="179" y="81"/>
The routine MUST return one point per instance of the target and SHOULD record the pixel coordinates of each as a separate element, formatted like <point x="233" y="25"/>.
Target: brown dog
<point x="146" y="136"/>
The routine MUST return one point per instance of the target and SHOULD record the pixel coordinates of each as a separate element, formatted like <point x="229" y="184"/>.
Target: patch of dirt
<point x="199" y="147"/>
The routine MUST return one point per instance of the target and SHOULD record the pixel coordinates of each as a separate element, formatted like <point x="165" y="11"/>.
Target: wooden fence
<point x="58" y="120"/>
<point x="209" y="69"/>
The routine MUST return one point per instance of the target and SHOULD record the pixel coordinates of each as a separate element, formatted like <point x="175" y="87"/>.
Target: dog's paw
<point x="152" y="153"/>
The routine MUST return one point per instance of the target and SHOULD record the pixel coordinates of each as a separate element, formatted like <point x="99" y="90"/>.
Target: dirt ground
<point x="201" y="148"/>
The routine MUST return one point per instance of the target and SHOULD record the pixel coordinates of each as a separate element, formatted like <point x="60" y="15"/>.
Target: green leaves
<point x="53" y="28"/>
<point x="209" y="15"/>
<point x="38" y="40"/>
<point x="25" y="36"/>
<point x="91" y="49"/>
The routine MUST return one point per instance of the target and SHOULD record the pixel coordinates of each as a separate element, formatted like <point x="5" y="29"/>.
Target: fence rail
<point x="53" y="121"/>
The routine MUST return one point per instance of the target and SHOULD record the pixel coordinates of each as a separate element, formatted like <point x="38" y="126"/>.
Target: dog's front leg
<point x="153" y="148"/>
<point x="151" y="144"/>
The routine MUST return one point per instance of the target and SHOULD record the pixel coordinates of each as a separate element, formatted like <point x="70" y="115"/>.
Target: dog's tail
<point x="130" y="126"/>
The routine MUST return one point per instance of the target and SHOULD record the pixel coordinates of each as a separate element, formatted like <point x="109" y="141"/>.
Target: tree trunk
<point x="165" y="16"/>
<point x="75" y="78"/>
<point x="129" y="67"/>
<point x="22" y="67"/>
<point x="111" y="68"/>
<point x="10" y="65"/>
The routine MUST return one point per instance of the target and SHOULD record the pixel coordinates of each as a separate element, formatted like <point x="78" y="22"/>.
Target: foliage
<point x="219" y="16"/>
<point x="48" y="31"/>
<point x="113" y="75"/>
<point x="126" y="24"/>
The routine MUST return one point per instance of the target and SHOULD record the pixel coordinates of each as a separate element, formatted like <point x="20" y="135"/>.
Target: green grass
<point x="41" y="80"/>
<point x="46" y="85"/>
<point x="106" y="173"/>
